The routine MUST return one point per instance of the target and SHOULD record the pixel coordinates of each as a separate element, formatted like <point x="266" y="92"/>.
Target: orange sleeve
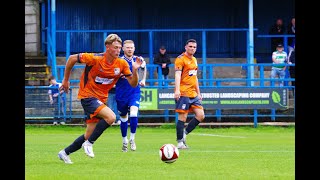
<point x="87" y="58"/>
<point x="125" y="68"/>
<point x="178" y="64"/>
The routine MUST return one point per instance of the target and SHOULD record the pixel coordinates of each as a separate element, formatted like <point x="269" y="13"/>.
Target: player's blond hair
<point x="112" y="38"/>
<point x="128" y="41"/>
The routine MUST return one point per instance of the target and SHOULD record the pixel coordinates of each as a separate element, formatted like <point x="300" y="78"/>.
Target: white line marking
<point x="195" y="151"/>
<point x="219" y="135"/>
<point x="245" y="151"/>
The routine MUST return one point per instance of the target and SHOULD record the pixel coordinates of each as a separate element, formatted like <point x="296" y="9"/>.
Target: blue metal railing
<point x="52" y="44"/>
<point x="37" y="101"/>
<point x="209" y="82"/>
<point x="284" y="36"/>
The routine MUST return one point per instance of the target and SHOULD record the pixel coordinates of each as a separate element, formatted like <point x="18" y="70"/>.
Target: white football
<point x="169" y="153"/>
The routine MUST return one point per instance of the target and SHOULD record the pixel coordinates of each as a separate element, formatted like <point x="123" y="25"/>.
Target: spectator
<point x="54" y="96"/>
<point x="163" y="59"/>
<point x="279" y="57"/>
<point x="291" y="30"/>
<point x="292" y="60"/>
<point x="277" y="29"/>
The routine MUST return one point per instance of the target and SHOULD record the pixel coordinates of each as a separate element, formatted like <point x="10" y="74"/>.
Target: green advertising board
<point x="149" y="99"/>
<point x="220" y="98"/>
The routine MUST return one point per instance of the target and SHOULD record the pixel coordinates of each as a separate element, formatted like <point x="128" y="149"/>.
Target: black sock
<point x="75" y="145"/>
<point x="192" y="124"/>
<point x="179" y="129"/>
<point x="100" y="127"/>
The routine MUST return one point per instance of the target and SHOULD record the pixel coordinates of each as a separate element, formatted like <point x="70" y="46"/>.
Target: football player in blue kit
<point x="128" y="98"/>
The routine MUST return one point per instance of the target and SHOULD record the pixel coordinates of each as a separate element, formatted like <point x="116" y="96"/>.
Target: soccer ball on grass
<point x="169" y="153"/>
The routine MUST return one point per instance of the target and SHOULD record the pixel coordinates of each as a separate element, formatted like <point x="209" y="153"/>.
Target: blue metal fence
<point x="104" y="32"/>
<point x="38" y="106"/>
<point x="205" y="81"/>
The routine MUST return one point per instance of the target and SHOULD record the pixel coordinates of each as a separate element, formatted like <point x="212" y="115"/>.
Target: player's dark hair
<point x="191" y="40"/>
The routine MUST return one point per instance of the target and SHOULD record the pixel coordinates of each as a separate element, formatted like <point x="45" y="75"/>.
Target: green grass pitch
<point x="215" y="153"/>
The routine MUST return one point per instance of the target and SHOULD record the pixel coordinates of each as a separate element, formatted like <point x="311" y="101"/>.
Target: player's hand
<point x="200" y="97"/>
<point x="177" y="95"/>
<point x="143" y="64"/>
<point x="65" y="86"/>
<point x="51" y="101"/>
<point x="142" y="83"/>
<point x="122" y="76"/>
<point x="137" y="64"/>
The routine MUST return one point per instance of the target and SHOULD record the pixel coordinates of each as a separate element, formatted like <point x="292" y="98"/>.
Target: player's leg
<point x="105" y="118"/>
<point x="76" y="145"/>
<point x="133" y="126"/>
<point x="134" y="105"/>
<point x="100" y="114"/>
<point x="122" y="107"/>
<point x="180" y="132"/>
<point x="182" y="108"/>
<point x="197" y="108"/>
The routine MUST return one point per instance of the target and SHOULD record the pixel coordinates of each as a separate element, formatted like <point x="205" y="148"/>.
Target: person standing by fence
<point x="163" y="60"/>
<point x="277" y="29"/>
<point x="279" y="58"/>
<point x="57" y="100"/>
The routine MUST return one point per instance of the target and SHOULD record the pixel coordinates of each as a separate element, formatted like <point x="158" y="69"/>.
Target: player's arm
<point x="178" y="66"/>
<point x="69" y="65"/>
<point x="144" y="76"/>
<point x="177" y="79"/>
<point x="198" y="89"/>
<point x="134" y="78"/>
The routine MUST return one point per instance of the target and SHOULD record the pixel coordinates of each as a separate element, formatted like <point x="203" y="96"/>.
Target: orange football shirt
<point x="189" y="67"/>
<point x="99" y="76"/>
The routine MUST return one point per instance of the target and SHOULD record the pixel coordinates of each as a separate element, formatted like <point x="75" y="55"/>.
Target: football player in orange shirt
<point x="187" y="93"/>
<point x="101" y="72"/>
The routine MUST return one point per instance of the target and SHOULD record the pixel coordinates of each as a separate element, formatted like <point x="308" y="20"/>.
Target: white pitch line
<point x="245" y="151"/>
<point x="218" y="135"/>
<point x="198" y="151"/>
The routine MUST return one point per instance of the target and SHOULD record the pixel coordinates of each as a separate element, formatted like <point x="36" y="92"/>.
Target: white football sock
<point x="132" y="136"/>
<point x="124" y="139"/>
